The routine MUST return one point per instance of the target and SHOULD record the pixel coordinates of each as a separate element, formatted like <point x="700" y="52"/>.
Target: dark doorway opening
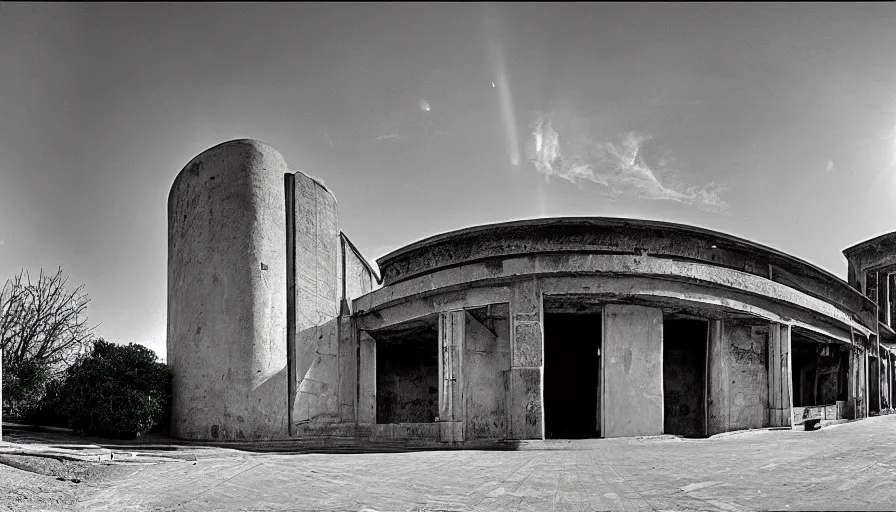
<point x="819" y="372"/>
<point x="407" y="373"/>
<point x="571" y="375"/>
<point x="873" y="385"/>
<point x="684" y="376"/>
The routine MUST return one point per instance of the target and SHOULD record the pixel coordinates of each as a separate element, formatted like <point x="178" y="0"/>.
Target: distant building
<point x="278" y="327"/>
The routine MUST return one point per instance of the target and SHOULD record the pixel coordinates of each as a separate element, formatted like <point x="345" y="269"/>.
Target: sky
<point x="772" y="122"/>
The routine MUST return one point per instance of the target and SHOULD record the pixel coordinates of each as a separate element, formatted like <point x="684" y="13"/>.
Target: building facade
<point x="278" y="328"/>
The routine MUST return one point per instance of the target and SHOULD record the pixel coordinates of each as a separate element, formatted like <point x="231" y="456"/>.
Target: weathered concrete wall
<point x="317" y="371"/>
<point x="632" y="371"/>
<point x="487" y="361"/>
<point x="227" y="294"/>
<point x="313" y="294"/>
<point x="316" y="253"/>
<point x="355" y="274"/>
<point x="738" y="393"/>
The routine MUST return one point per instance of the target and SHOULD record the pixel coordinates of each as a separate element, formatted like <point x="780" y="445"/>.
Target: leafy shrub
<point x="23" y="384"/>
<point x="116" y="391"/>
<point x="48" y="411"/>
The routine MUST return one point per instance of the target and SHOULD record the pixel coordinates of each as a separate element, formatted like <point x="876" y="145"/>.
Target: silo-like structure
<point x="227" y="284"/>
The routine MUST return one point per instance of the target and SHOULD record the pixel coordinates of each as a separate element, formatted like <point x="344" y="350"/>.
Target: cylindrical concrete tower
<point x="227" y="294"/>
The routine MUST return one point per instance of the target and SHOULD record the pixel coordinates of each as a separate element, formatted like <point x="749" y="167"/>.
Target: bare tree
<point x="43" y="322"/>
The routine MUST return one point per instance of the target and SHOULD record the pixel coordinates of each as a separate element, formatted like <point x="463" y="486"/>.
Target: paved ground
<point x="844" y="467"/>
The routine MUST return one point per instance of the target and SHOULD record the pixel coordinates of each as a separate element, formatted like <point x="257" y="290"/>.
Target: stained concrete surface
<point x="851" y="466"/>
<point x="227" y="294"/>
<point x="632" y="371"/>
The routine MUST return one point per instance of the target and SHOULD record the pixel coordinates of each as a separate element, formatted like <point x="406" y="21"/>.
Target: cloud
<point x="619" y="168"/>
<point x="384" y="138"/>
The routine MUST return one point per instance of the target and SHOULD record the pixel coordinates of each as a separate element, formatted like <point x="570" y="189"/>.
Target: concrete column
<point x="348" y="369"/>
<point x="780" y="383"/>
<point x="366" y="379"/>
<point x="862" y="381"/>
<point x="525" y="395"/>
<point x="451" y="390"/>
<point x="716" y="380"/>
<point x="892" y="380"/>
<point x="632" y="373"/>
<point x="884" y="379"/>
<point x="227" y="294"/>
<point x="854" y="401"/>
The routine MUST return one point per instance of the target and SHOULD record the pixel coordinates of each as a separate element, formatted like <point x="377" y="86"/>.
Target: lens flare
<point x="505" y="99"/>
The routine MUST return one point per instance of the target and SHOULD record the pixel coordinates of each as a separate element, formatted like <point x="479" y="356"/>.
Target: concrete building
<point x="278" y="328"/>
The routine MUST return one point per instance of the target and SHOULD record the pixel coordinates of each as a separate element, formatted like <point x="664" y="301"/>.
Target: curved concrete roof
<point x="886" y="241"/>
<point x="236" y="146"/>
<point x="620" y="236"/>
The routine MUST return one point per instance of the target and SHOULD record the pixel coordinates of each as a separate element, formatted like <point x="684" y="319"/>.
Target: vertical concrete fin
<point x="289" y="185"/>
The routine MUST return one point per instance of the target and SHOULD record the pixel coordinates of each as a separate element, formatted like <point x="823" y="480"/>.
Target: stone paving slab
<point x="850" y="467"/>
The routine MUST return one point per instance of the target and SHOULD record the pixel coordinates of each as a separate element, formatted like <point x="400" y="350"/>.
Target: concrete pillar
<point x="451" y="390"/>
<point x="525" y="389"/>
<point x="861" y="397"/>
<point x="854" y="401"/>
<point x="780" y="376"/>
<point x="716" y="380"/>
<point x="632" y="373"/>
<point x="348" y="369"/>
<point x="366" y="379"/>
<point x="227" y="294"/>
<point x="892" y="358"/>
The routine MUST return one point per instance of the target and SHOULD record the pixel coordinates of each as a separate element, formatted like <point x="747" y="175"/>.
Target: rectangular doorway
<point x="571" y="375"/>
<point x="684" y="376"/>
<point x="407" y="372"/>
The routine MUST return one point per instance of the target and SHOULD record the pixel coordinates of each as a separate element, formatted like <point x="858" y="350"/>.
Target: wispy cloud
<point x="619" y="168"/>
<point x="392" y="137"/>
